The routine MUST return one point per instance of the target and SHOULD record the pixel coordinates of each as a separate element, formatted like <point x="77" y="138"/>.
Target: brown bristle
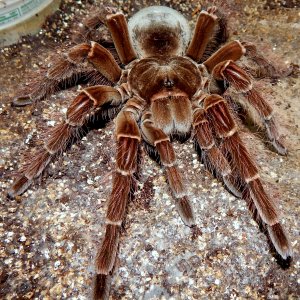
<point x="77" y="111"/>
<point x="280" y="240"/>
<point x="119" y="30"/>
<point x="19" y="186"/>
<point x="166" y="151"/>
<point x="218" y="161"/>
<point x="231" y="51"/>
<point x="241" y="159"/>
<point x="259" y="103"/>
<point x="175" y="181"/>
<point x="202" y="34"/>
<point x="185" y="211"/>
<point x="118" y="199"/>
<point x="107" y="254"/>
<point x="237" y="78"/>
<point x="59" y="137"/>
<point x="103" y="94"/>
<point x="127" y="154"/>
<point x="265" y="206"/>
<point x="79" y="53"/>
<point x="60" y="69"/>
<point x="37" y="164"/>
<point x="219" y="115"/>
<point x="104" y="62"/>
<point x="275" y="138"/>
<point x="202" y="130"/>
<point x="101" y="287"/>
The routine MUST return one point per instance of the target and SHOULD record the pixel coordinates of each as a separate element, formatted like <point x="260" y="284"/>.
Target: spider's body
<point x="167" y="83"/>
<point x="165" y="86"/>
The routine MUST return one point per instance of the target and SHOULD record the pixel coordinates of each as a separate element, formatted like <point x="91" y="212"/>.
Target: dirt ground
<point x="49" y="235"/>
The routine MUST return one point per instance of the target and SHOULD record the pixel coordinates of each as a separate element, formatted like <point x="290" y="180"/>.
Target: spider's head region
<point x="159" y="30"/>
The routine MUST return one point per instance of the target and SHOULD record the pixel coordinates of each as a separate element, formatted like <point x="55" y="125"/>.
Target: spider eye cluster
<point x="159" y="30"/>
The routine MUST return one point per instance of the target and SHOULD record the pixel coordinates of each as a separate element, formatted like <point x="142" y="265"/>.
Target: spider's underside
<point x="165" y="88"/>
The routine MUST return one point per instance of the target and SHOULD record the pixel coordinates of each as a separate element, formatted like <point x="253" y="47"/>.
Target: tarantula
<point x="164" y="87"/>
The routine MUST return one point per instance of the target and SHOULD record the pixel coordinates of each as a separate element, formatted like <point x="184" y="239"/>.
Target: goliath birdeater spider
<point x="162" y="84"/>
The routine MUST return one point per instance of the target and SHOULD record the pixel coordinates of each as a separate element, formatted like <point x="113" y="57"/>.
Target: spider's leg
<point x="93" y="27"/>
<point x="205" y="139"/>
<point x="67" y="66"/>
<point x="157" y="138"/>
<point x="233" y="50"/>
<point x="211" y="154"/>
<point x="264" y="67"/>
<point x="118" y="28"/>
<point x="225" y="128"/>
<point x="240" y="82"/>
<point x="275" y="233"/>
<point x="203" y="31"/>
<point x="128" y="139"/>
<point x="59" y="137"/>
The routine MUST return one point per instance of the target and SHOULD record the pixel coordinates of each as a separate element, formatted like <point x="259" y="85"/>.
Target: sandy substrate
<point x="49" y="235"/>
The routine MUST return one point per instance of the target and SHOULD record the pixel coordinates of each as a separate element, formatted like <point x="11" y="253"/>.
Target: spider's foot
<point x="185" y="211"/>
<point x="280" y="241"/>
<point x="19" y="187"/>
<point x="21" y="101"/>
<point x="279" y="147"/>
<point x="101" y="287"/>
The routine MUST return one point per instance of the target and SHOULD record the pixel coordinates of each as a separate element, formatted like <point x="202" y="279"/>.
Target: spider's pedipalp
<point x="118" y="28"/>
<point x="58" y="138"/>
<point x="240" y="82"/>
<point x="156" y="137"/>
<point x="202" y="33"/>
<point x="128" y="139"/>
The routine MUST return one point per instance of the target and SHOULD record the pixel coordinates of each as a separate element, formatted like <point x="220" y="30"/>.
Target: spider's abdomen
<point x="159" y="30"/>
<point x="167" y="84"/>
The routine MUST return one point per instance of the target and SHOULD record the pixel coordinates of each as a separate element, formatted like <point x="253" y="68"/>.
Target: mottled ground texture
<point x="48" y="236"/>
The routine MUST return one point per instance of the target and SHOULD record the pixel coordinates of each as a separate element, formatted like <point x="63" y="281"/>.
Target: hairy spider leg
<point x="161" y="141"/>
<point x="233" y="50"/>
<point x="128" y="139"/>
<point x="233" y="148"/>
<point x="99" y="58"/>
<point x="241" y="83"/>
<point x="210" y="153"/>
<point x="57" y="139"/>
<point x="118" y="28"/>
<point x="203" y="31"/>
<point x="264" y="67"/>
